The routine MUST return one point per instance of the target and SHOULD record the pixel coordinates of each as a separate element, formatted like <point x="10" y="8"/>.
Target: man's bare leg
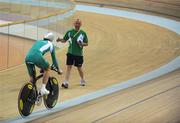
<point x="67" y="76"/>
<point x="81" y="74"/>
<point x="43" y="90"/>
<point x="68" y="72"/>
<point x="45" y="80"/>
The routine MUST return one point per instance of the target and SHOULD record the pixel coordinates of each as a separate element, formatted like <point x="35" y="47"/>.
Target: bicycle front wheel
<point x="51" y="99"/>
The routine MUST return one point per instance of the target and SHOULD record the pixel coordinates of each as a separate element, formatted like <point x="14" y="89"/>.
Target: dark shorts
<point x="74" y="60"/>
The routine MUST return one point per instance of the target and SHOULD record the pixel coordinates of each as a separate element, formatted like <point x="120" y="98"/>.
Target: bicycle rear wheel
<point x="51" y="99"/>
<point x="26" y="99"/>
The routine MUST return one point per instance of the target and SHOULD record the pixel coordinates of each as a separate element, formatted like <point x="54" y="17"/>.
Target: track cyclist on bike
<point x="35" y="58"/>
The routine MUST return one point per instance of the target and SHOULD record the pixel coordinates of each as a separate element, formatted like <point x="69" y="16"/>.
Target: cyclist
<point x="35" y="58"/>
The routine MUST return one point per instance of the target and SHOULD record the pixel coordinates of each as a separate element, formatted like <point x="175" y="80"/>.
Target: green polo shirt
<point x="74" y="48"/>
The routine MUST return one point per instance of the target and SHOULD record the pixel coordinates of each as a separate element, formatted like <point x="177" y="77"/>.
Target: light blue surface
<point x="173" y="65"/>
<point x="163" y="22"/>
<point x="39" y="3"/>
<point x="25" y="29"/>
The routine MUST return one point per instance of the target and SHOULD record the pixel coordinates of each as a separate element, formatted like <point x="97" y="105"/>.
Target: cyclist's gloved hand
<point x="53" y="67"/>
<point x="41" y="70"/>
<point x="59" y="71"/>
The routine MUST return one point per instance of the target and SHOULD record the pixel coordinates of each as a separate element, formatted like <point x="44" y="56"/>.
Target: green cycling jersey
<point x="35" y="54"/>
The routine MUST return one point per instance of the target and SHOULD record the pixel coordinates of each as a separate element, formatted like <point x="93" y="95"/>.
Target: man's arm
<point x="54" y="60"/>
<point x="83" y="44"/>
<point x="64" y="39"/>
<point x="61" y="40"/>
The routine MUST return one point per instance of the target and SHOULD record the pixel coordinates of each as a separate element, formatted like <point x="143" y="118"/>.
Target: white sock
<point x="66" y="82"/>
<point x="43" y="86"/>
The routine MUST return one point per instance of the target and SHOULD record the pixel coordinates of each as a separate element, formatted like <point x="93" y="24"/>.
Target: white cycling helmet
<point x="49" y="36"/>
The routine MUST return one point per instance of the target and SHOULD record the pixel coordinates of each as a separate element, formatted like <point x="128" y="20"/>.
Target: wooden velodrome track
<point x="155" y="101"/>
<point x="119" y="49"/>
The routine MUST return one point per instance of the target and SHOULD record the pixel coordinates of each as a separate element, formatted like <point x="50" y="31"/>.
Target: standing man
<point x="77" y="39"/>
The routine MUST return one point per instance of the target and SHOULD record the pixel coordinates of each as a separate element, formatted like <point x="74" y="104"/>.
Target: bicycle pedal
<point x="38" y="100"/>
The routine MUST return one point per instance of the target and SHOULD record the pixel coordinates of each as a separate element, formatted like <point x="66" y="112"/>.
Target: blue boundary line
<point x="39" y="3"/>
<point x="159" y="21"/>
<point x="173" y="65"/>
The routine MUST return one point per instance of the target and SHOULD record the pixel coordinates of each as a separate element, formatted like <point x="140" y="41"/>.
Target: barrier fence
<point x="25" y="21"/>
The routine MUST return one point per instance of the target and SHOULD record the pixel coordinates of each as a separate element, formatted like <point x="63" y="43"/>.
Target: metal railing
<point x="38" y="18"/>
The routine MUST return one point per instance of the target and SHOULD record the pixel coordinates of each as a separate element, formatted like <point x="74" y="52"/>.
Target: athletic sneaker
<point x="64" y="85"/>
<point x="82" y="82"/>
<point x="44" y="91"/>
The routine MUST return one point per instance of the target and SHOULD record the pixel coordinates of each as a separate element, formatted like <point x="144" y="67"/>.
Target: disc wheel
<point x="51" y="99"/>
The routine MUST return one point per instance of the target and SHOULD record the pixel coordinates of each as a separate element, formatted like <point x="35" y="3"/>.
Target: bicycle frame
<point x="34" y="76"/>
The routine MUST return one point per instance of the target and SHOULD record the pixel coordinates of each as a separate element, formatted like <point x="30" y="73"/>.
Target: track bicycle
<point x="29" y="94"/>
